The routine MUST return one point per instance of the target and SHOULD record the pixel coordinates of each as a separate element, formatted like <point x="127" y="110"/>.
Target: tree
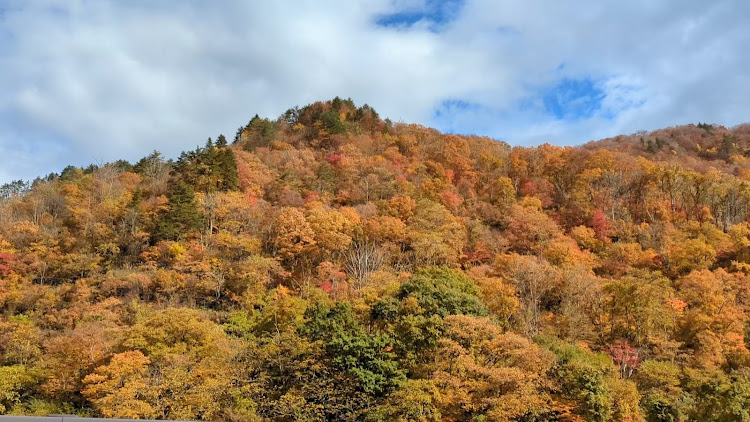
<point x="15" y="383"/>
<point x="712" y="321"/>
<point x="361" y="260"/>
<point x="70" y="356"/>
<point x="625" y="357"/>
<point x="500" y="297"/>
<point x="436" y="236"/>
<point x="182" y="216"/>
<point x="258" y="132"/>
<point x="363" y="356"/>
<point x="293" y="234"/>
<point x="208" y="169"/>
<point x="414" y="402"/>
<point x="663" y="398"/>
<point x="442" y="291"/>
<point x="333" y="229"/>
<point x="691" y="254"/>
<point x="190" y="358"/>
<point x="332" y="123"/>
<point x="589" y="380"/>
<point x="599" y="224"/>
<point x="528" y="228"/>
<point x="721" y="397"/>
<point x="121" y="388"/>
<point x="20" y="341"/>
<point x="5" y="261"/>
<point x="639" y="308"/>
<point x="534" y="279"/>
<point x="229" y="176"/>
<point x="221" y="141"/>
<point x="483" y="373"/>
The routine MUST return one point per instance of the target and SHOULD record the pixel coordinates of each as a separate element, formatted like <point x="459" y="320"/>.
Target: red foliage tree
<point x="625" y="357"/>
<point x="333" y="159"/>
<point x="599" y="224"/>
<point x="5" y="260"/>
<point x="529" y="188"/>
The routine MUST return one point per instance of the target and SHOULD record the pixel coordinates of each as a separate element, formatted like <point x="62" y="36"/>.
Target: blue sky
<point x="97" y="80"/>
<point x="435" y="13"/>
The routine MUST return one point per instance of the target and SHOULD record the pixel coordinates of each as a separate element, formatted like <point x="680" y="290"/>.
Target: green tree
<point x="414" y="402"/>
<point x="209" y="169"/>
<point x="443" y="291"/>
<point x="228" y="175"/>
<point x="15" y="383"/>
<point x="589" y="379"/>
<point x="182" y="216"/>
<point x="221" y="141"/>
<point x="720" y="397"/>
<point x="259" y="132"/>
<point x="332" y="123"/>
<point x="662" y="400"/>
<point x="363" y="355"/>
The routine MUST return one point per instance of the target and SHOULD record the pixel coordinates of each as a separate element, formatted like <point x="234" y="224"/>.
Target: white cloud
<point x="87" y="81"/>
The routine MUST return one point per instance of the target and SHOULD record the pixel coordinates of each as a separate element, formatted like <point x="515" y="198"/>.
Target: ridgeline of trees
<point x="331" y="265"/>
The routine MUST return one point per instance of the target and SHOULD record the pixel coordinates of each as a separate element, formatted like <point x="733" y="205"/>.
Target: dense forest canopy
<point x="332" y="265"/>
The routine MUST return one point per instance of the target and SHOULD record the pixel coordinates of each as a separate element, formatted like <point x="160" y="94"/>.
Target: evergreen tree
<point x="221" y="141"/>
<point x="261" y="132"/>
<point x="332" y="123"/>
<point x="208" y="169"/>
<point x="228" y="168"/>
<point x="238" y="135"/>
<point x="182" y="217"/>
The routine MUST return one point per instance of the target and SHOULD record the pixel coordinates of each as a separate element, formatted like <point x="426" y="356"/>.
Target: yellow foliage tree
<point x="121" y="389"/>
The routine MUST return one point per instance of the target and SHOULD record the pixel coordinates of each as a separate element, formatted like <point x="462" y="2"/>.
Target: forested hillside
<point x="332" y="265"/>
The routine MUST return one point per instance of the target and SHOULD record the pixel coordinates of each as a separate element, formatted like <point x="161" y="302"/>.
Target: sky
<point x="92" y="81"/>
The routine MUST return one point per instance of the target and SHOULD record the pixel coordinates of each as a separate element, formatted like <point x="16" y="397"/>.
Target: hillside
<point x="333" y="265"/>
<point x="700" y="146"/>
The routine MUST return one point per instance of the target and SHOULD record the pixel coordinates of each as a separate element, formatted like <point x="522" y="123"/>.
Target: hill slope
<point x="331" y="265"/>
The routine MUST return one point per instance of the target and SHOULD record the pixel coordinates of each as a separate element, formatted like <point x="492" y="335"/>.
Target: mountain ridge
<point x="333" y="265"/>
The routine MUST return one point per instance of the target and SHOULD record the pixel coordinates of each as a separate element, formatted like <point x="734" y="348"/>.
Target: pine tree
<point x="182" y="217"/>
<point x="209" y="169"/>
<point x="238" y="135"/>
<point x="228" y="170"/>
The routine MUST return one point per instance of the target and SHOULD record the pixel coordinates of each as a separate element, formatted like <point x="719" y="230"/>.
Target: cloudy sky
<point x="92" y="81"/>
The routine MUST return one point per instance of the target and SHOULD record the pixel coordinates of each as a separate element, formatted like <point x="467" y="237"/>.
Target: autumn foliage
<point x="332" y="265"/>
